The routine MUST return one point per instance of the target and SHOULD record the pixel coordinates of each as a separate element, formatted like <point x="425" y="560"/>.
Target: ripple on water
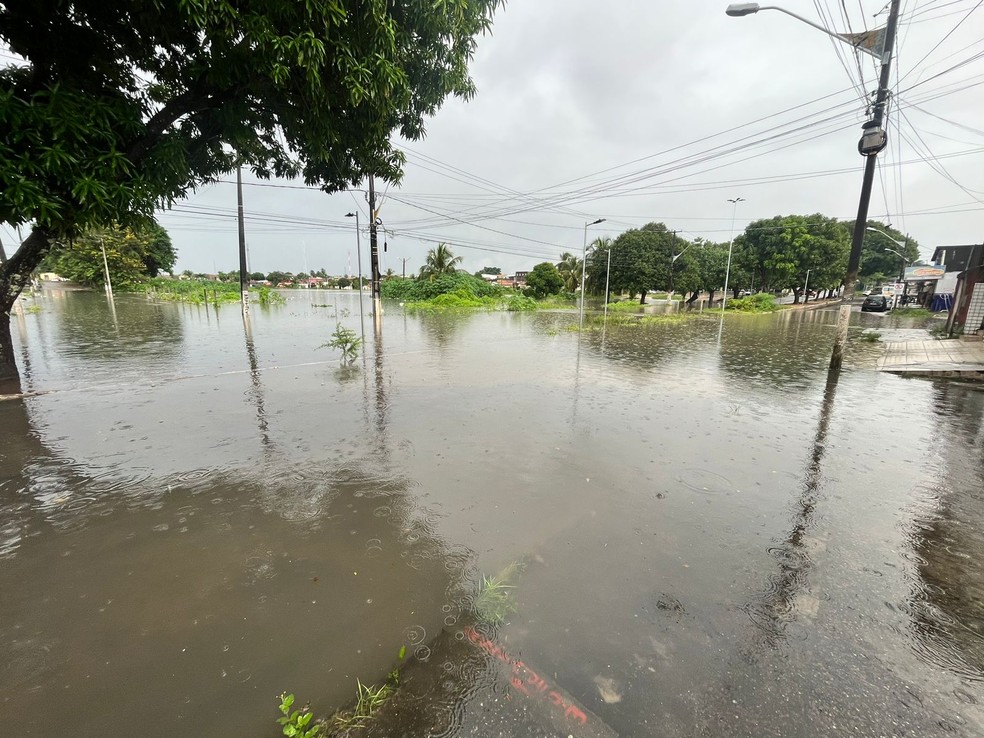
<point x="705" y="481"/>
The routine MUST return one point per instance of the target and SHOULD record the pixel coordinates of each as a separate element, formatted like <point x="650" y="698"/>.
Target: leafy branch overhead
<point x="124" y="105"/>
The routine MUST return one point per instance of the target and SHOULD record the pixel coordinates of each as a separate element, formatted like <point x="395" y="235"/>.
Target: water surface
<point x="717" y="541"/>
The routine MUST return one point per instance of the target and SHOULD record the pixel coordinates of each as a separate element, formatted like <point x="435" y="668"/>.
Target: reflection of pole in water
<point x="381" y="403"/>
<point x="776" y="607"/>
<point x="256" y="390"/>
<point x="112" y="314"/>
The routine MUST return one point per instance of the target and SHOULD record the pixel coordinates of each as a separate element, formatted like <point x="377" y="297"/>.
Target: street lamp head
<point x="594" y="222"/>
<point x="736" y="200"/>
<point x="739" y="9"/>
<point x="349" y="215"/>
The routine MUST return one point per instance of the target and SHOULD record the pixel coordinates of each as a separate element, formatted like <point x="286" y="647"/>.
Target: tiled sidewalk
<point x="934" y="358"/>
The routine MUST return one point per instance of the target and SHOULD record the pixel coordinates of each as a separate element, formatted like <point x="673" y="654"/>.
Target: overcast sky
<point x="639" y="111"/>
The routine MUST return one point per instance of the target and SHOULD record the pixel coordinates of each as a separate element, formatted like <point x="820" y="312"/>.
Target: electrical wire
<point x="938" y="43"/>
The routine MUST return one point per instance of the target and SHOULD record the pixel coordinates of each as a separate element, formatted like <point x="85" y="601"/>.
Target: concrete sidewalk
<point x="948" y="358"/>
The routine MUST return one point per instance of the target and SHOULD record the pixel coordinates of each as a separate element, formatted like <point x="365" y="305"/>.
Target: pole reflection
<point x="786" y="596"/>
<point x="256" y="386"/>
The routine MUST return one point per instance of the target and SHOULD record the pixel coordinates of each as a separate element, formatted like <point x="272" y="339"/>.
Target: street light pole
<point x="584" y="260"/>
<point x="806" y="288"/>
<point x="873" y="140"/>
<point x="740" y="9"/>
<point x="358" y="256"/>
<point x="608" y="274"/>
<point x="727" y="272"/>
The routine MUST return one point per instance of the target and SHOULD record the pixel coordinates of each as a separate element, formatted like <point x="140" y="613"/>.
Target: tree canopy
<point x="877" y="262"/>
<point x="543" y="280"/>
<point x="778" y="251"/>
<point x="122" y="107"/>
<point x="132" y="254"/>
<point x="440" y="260"/>
<point x="640" y="260"/>
<point x="569" y="267"/>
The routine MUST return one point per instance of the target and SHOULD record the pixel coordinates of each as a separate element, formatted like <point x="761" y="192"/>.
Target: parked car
<point x="875" y="304"/>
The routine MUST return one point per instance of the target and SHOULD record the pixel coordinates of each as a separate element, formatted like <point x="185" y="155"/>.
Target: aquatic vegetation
<point x="346" y="341"/>
<point x="494" y="601"/>
<point x="521" y="303"/>
<point x="265" y="296"/>
<point x="870" y="337"/>
<point x="295" y="723"/>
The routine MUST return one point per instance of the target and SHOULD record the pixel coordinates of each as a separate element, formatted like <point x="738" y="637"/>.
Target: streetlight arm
<point x="903" y="244"/>
<point x="901" y="256"/>
<point x="673" y="260"/>
<point x="740" y="9"/>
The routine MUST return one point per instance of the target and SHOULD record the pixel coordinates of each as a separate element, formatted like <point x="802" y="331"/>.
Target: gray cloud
<point x="568" y="88"/>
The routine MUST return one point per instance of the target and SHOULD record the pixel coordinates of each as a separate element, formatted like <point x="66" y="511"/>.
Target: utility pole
<point x="109" y="283"/>
<point x="873" y="140"/>
<point x="405" y="260"/>
<point x="243" y="285"/>
<point x="373" y="243"/>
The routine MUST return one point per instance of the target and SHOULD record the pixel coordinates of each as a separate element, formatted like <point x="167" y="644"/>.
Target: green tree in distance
<point x="778" y="252"/>
<point x="132" y="254"/>
<point x="276" y="278"/>
<point x="640" y="261"/>
<point x="876" y="260"/>
<point x="569" y="267"/>
<point x="440" y="260"/>
<point x="543" y="280"/>
<point x="120" y="107"/>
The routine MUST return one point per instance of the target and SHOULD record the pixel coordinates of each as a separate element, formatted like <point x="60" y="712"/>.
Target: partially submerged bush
<point x="416" y="290"/>
<point x="761" y="302"/>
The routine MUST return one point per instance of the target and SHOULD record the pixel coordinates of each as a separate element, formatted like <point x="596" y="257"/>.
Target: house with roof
<point x="962" y="281"/>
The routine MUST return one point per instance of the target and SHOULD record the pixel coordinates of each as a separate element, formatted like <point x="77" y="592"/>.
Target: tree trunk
<point x="710" y="298"/>
<point x="15" y="274"/>
<point x="3" y="254"/>
<point x="736" y="293"/>
<point x="642" y="298"/>
<point x="693" y="297"/>
<point x="796" y="295"/>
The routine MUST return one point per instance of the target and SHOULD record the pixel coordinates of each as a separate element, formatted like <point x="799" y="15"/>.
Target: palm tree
<point x="570" y="269"/>
<point x="597" y="272"/>
<point x="439" y="261"/>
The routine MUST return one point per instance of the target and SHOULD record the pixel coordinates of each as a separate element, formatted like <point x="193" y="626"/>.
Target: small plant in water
<point x="495" y="600"/>
<point x="871" y="336"/>
<point x="296" y="723"/>
<point x="346" y="341"/>
<point x="267" y="297"/>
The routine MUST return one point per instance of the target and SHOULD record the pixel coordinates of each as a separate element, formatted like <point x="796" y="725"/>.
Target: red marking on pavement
<point x="525" y="680"/>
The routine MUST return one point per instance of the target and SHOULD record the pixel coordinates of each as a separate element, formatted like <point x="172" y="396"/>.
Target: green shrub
<point x="761" y="302"/>
<point x="345" y="340"/>
<point x="520" y="303"/>
<point x="397" y="289"/>
<point x="416" y="290"/>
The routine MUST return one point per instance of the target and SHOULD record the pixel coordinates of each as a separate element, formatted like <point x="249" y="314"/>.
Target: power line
<point x="938" y="43"/>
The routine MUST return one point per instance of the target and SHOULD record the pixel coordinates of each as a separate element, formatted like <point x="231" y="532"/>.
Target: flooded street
<point x="716" y="542"/>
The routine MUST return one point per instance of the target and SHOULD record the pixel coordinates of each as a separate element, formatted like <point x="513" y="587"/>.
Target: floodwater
<point x="717" y="542"/>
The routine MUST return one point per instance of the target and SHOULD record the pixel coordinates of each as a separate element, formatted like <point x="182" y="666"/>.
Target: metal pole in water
<point x="727" y="273"/>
